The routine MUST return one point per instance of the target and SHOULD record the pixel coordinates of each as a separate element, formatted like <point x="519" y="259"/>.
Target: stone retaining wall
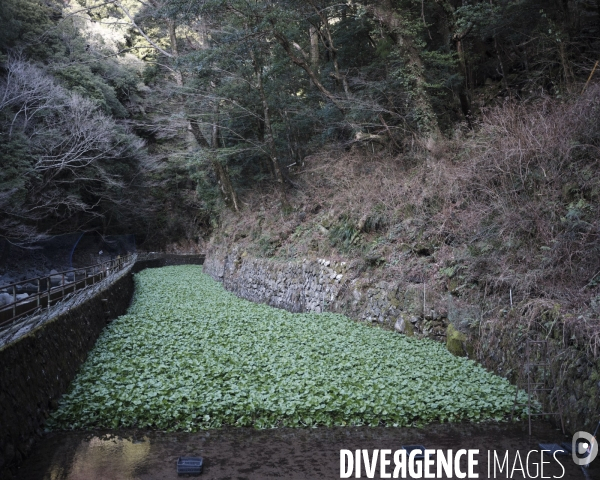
<point x="413" y="309"/>
<point x="318" y="285"/>
<point x="501" y="348"/>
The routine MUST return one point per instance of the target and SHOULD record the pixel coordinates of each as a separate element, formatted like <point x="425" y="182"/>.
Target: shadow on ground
<point x="240" y="453"/>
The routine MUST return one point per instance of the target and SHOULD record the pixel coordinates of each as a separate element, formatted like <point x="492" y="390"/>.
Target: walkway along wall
<point x="316" y="285"/>
<point x="38" y="368"/>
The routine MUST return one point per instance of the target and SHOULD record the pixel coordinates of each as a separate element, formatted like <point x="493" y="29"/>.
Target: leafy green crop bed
<point x="188" y="355"/>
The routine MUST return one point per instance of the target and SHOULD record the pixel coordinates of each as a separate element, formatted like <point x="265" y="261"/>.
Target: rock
<point x="402" y="326"/>
<point x="457" y="343"/>
<point x="399" y="325"/>
<point x="28" y="288"/>
<point x="22" y="296"/>
<point x="53" y="272"/>
<point x="460" y="313"/>
<point x="413" y="299"/>
<point x="6" y="298"/>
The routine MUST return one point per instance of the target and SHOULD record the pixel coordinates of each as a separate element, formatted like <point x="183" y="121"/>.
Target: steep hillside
<point x="501" y="226"/>
<point x="512" y="209"/>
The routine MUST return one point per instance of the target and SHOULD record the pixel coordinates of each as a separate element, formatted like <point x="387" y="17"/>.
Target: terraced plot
<point x="189" y="355"/>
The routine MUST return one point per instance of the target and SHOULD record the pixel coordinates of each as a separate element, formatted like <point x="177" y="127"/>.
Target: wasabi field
<point x="190" y="356"/>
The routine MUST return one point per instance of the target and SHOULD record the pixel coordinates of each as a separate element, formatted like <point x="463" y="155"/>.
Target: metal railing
<point x="36" y="294"/>
<point x="540" y="378"/>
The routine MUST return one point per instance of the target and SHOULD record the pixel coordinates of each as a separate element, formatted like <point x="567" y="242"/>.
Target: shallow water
<point x="240" y="453"/>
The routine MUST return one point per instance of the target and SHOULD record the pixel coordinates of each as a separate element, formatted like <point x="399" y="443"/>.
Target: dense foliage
<point x="229" y="95"/>
<point x="66" y="162"/>
<point x="188" y="355"/>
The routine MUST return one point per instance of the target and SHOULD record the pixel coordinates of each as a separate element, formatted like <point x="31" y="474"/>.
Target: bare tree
<point x="71" y="149"/>
<point x="27" y="90"/>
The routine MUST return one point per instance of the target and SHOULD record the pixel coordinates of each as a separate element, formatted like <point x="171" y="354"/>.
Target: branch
<point x="285" y="43"/>
<point x="164" y="52"/>
<point x="198" y="133"/>
<point x="299" y="48"/>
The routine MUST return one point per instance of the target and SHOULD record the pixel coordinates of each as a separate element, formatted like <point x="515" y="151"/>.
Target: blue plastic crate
<point x="552" y="448"/>
<point x="189" y="465"/>
<point x="419" y="448"/>
<point x="568" y="447"/>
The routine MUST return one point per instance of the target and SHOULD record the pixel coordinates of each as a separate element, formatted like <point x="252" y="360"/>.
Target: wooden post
<point x="590" y="77"/>
<point x="528" y="354"/>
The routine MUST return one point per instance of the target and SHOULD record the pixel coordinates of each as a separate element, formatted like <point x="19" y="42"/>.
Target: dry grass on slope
<point x="512" y="209"/>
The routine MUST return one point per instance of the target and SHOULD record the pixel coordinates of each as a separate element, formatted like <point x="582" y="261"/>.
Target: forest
<point x="154" y="117"/>
<point x="365" y="128"/>
<point x="428" y="168"/>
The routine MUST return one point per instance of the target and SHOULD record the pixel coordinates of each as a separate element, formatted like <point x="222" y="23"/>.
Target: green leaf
<point x="188" y="356"/>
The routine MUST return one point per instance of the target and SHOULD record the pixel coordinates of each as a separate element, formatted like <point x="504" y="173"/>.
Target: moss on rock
<point x="409" y="329"/>
<point x="457" y="343"/>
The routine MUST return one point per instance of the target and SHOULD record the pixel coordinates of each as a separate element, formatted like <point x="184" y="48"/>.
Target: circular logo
<point x="585" y="448"/>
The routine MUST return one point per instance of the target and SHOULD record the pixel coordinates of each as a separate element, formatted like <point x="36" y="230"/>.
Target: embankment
<point x="38" y="368"/>
<point x="315" y="285"/>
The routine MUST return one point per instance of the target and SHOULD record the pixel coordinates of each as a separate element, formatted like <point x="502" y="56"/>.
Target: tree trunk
<point x="463" y="92"/>
<point x="456" y="38"/>
<point x="287" y="47"/>
<point x="223" y="178"/>
<point x="385" y="13"/>
<point x="269" y="139"/>
<point x="229" y="194"/>
<point x="566" y="65"/>
<point x="174" y="51"/>
<point x="221" y="172"/>
<point x="331" y="48"/>
<point x="198" y="135"/>
<point x="314" y="48"/>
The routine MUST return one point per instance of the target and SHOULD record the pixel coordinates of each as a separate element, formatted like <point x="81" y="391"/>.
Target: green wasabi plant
<point x="189" y="355"/>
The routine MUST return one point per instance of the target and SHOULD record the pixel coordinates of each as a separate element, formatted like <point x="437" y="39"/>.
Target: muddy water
<point x="282" y="453"/>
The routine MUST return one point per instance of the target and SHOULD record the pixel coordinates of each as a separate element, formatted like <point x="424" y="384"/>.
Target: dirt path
<point x="263" y="454"/>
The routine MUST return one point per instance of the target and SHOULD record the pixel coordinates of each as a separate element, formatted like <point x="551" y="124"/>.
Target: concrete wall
<point x="158" y="260"/>
<point x="38" y="368"/>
